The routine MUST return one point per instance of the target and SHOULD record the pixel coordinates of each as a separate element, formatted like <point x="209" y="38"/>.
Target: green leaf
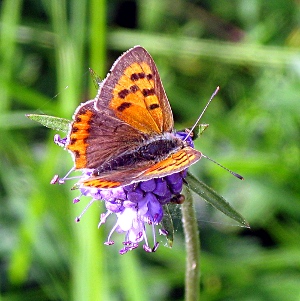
<point x="54" y="123"/>
<point x="96" y="78"/>
<point x="213" y="198"/>
<point x="198" y="130"/>
<point x="167" y="224"/>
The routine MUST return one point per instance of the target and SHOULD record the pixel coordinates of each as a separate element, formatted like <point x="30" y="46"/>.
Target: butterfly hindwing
<point x="174" y="163"/>
<point x="95" y="137"/>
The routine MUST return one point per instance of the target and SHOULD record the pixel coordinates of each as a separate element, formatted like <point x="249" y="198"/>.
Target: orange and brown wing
<point x="95" y="137"/>
<point x="133" y="92"/>
<point x="174" y="163"/>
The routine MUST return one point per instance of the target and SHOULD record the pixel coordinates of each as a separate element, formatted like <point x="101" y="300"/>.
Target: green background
<point x="248" y="48"/>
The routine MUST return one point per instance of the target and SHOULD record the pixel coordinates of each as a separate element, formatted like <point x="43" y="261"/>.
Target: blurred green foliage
<point x="248" y="48"/>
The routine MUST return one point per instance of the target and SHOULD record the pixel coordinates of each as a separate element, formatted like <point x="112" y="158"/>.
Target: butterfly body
<point x="151" y="151"/>
<point x="126" y="134"/>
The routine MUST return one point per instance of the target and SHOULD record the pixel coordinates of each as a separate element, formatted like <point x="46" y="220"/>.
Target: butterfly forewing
<point x="134" y="93"/>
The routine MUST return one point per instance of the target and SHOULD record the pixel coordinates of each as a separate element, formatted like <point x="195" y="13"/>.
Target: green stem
<point x="192" y="242"/>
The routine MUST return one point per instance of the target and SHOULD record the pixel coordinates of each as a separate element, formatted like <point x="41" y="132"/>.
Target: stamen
<point x="123" y="251"/>
<point x="127" y="236"/>
<point x="77" y="200"/>
<point x="112" y="231"/>
<point x="155" y="217"/>
<point x="54" y="179"/>
<point x="163" y="232"/>
<point x="129" y="246"/>
<point x="155" y="247"/>
<point x="134" y="246"/>
<point x="154" y="234"/>
<point x="62" y="180"/>
<point x="147" y="248"/>
<point x="58" y="180"/>
<point x="103" y="218"/>
<point x="145" y="237"/>
<point x="85" y="209"/>
<point x="71" y="178"/>
<point x="109" y="243"/>
<point x="60" y="141"/>
<point x="140" y="234"/>
<point x="127" y="243"/>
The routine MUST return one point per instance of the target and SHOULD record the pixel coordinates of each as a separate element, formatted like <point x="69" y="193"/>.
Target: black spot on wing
<point x="134" y="88"/>
<point x="123" y="93"/>
<point x="154" y="106"/>
<point x="149" y="76"/>
<point x="134" y="77"/>
<point x="148" y="92"/>
<point x="123" y="106"/>
<point x="140" y="75"/>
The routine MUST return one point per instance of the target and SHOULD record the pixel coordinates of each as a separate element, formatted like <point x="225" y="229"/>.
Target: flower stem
<point x="192" y="242"/>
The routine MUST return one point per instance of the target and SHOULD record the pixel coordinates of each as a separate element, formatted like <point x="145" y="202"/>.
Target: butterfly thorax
<point x="149" y="153"/>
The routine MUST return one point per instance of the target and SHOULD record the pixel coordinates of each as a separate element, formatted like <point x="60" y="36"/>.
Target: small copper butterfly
<point x="126" y="134"/>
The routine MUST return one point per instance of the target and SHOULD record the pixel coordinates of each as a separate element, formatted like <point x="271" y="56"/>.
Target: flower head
<point x="136" y="206"/>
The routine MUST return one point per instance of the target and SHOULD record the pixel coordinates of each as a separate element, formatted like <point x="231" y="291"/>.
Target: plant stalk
<point x="192" y="242"/>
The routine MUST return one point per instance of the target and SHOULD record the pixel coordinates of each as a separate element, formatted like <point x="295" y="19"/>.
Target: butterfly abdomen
<point x="152" y="152"/>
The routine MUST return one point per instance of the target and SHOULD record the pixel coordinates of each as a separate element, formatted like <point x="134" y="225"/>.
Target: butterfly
<point x="126" y="134"/>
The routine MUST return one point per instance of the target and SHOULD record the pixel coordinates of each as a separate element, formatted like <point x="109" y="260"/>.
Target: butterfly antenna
<point x="233" y="173"/>
<point x="199" y="118"/>
<point x="67" y="87"/>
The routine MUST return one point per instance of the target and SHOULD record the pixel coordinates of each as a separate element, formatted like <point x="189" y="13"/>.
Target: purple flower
<point x="136" y="206"/>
